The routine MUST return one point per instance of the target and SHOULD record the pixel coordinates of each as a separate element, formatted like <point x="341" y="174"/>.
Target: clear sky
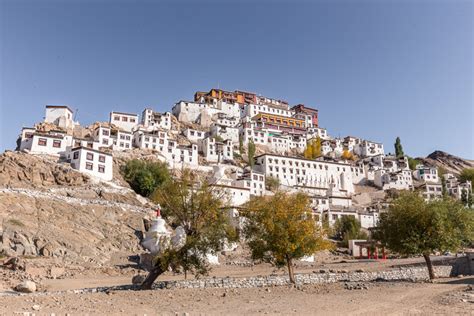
<point x="374" y="69"/>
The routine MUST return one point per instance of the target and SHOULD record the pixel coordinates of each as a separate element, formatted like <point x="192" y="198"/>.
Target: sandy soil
<point x="399" y="298"/>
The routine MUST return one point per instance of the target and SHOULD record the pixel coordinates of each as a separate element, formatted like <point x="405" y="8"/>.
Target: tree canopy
<point x="313" y="148"/>
<point x="467" y="175"/>
<point x="398" y="148"/>
<point x="348" y="227"/>
<point x="280" y="229"/>
<point x="347" y="155"/>
<point x="251" y="153"/>
<point x="200" y="209"/>
<point x="145" y="176"/>
<point x="412" y="226"/>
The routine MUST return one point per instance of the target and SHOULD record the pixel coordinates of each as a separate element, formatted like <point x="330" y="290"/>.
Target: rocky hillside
<point x="50" y="210"/>
<point x="449" y="162"/>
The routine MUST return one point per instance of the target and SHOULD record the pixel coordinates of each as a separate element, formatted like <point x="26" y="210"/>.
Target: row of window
<point x="89" y="156"/>
<point x="90" y="166"/>
<point x="44" y="142"/>
<point x="125" y="119"/>
<point x="303" y="164"/>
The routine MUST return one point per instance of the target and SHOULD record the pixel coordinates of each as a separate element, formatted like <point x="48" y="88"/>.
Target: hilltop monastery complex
<point x="208" y="134"/>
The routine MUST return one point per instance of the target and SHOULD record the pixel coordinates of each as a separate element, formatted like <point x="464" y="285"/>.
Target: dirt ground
<point x="445" y="297"/>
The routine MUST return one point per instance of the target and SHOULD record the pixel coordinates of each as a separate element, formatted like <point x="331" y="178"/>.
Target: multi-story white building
<point x="455" y="188"/>
<point x="93" y="162"/>
<point x="156" y="140"/>
<point x="332" y="147"/>
<point x="228" y="121"/>
<point x="115" y="139"/>
<point x="252" y="180"/>
<point x="428" y="174"/>
<point x="214" y="151"/>
<point x="431" y="191"/>
<point x="367" y="149"/>
<point x="152" y="119"/>
<point x="292" y="171"/>
<point x="251" y="110"/>
<point x="399" y="180"/>
<point x="59" y="115"/>
<point x="194" y="135"/>
<point x="315" y="132"/>
<point x="333" y="214"/>
<point x="188" y="111"/>
<point x="53" y="143"/>
<point x="225" y="132"/>
<point x="124" y="121"/>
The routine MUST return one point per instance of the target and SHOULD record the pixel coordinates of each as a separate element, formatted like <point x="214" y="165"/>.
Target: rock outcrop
<point x="447" y="161"/>
<point x="19" y="169"/>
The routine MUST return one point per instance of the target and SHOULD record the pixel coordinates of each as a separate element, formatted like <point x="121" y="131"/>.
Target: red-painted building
<point x="303" y="109"/>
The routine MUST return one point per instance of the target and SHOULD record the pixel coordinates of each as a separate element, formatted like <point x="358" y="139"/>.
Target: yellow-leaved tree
<point x="280" y="229"/>
<point x="347" y="155"/>
<point x="308" y="151"/>
<point x="313" y="148"/>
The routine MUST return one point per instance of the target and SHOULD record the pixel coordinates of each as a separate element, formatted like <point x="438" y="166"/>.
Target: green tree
<point x="272" y="183"/>
<point x="218" y="138"/>
<point x="464" y="196"/>
<point x="412" y="163"/>
<point x="145" y="176"/>
<point x="200" y="210"/>
<point x="251" y="153"/>
<point x="241" y="145"/>
<point x="280" y="229"/>
<point x="398" y="148"/>
<point x="412" y="226"/>
<point x="348" y="227"/>
<point x="467" y="175"/>
<point x="441" y="173"/>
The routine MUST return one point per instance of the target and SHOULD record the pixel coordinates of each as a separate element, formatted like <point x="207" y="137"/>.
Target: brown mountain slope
<point x="447" y="161"/>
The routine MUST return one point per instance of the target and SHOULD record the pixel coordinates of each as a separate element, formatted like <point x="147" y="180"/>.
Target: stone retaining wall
<point x="405" y="274"/>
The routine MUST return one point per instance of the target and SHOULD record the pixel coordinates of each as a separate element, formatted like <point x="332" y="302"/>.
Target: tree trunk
<point x="151" y="277"/>
<point x="429" y="265"/>
<point x="291" y="274"/>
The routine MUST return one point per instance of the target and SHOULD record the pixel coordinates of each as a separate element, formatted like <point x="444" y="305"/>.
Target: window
<point x="105" y="132"/>
<point x="88" y="166"/>
<point x="105" y="141"/>
<point x="76" y="155"/>
<point x="116" y="118"/>
<point x="101" y="158"/>
<point x="101" y="168"/>
<point x="90" y="156"/>
<point x="56" y="143"/>
<point x="124" y="119"/>
<point x="42" y="141"/>
<point x="132" y="120"/>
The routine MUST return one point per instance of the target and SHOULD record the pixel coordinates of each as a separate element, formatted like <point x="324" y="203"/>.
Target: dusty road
<point x="446" y="297"/>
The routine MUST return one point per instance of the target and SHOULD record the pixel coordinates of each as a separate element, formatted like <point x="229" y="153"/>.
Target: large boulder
<point x="26" y="287"/>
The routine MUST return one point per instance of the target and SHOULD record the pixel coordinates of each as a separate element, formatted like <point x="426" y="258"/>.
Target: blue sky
<point x="374" y="69"/>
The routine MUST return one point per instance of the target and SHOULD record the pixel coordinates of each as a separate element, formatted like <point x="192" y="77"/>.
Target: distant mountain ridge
<point x="451" y="163"/>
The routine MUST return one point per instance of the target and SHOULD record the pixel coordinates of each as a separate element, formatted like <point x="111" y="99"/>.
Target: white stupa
<point x="158" y="238"/>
